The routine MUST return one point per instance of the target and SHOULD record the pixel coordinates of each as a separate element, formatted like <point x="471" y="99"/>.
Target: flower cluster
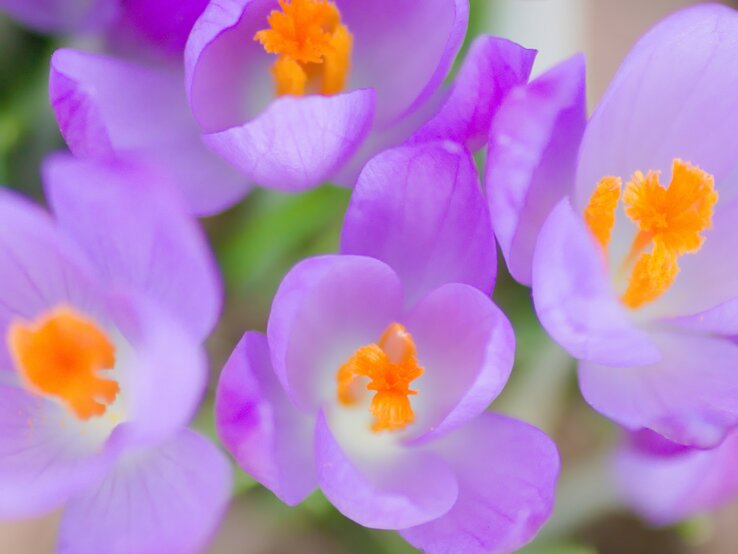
<point x="373" y="380"/>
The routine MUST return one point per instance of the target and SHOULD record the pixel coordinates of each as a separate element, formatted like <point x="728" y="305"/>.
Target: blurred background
<point x="259" y="240"/>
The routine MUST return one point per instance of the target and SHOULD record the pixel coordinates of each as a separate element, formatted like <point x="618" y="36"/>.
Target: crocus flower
<point x="297" y="92"/>
<point x="108" y="107"/>
<point x="103" y="310"/>
<point x="633" y="271"/>
<point x="378" y="364"/>
<point x="666" y="482"/>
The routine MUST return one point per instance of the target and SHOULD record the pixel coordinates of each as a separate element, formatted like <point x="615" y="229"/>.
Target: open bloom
<point x="378" y="364"/>
<point x="103" y="311"/>
<point x="633" y="271"/>
<point x="666" y="482"/>
<point x="297" y="92"/>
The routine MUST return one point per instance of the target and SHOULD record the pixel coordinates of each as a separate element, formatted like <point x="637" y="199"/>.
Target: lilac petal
<point x="150" y="246"/>
<point x="708" y="277"/>
<point x="164" y="368"/>
<point x="641" y="124"/>
<point x="416" y="488"/>
<point x="107" y="107"/>
<point x="42" y="463"/>
<point x="688" y="396"/>
<point x="574" y="300"/>
<point x="297" y="143"/>
<point x="718" y="320"/>
<point x="531" y="158"/>
<point x="491" y="68"/>
<point x="41" y="268"/>
<point x="164" y="23"/>
<point x="420" y="209"/>
<point x="507" y="472"/>
<point x="467" y="347"/>
<point x="268" y="437"/>
<point x="668" y="489"/>
<point x="326" y="308"/>
<point x="165" y="499"/>
<point x="227" y="72"/>
<point x="387" y="54"/>
<point x="62" y="16"/>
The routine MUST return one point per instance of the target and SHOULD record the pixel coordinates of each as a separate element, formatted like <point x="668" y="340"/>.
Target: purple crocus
<point x="666" y="482"/>
<point x="378" y="365"/>
<point x="103" y="311"/>
<point x="645" y="296"/>
<point x="297" y="92"/>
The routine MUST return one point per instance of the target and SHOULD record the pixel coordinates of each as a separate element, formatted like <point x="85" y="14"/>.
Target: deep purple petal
<point x="62" y="16"/>
<point x="420" y="209"/>
<point x="326" y="308"/>
<point x="166" y="499"/>
<point x="42" y="463"/>
<point x="138" y="235"/>
<point x="268" y="437"/>
<point x="397" y="54"/>
<point x="297" y="143"/>
<point x="491" y="68"/>
<point x="42" y="268"/>
<point x="668" y="489"/>
<point x="688" y="396"/>
<point x="165" y="24"/>
<point x="467" y="347"/>
<point x="105" y="107"/>
<point x="531" y="158"/>
<point x="642" y="124"/>
<point x="163" y="371"/>
<point x="574" y="300"/>
<point x="507" y="472"/>
<point x="405" y="491"/>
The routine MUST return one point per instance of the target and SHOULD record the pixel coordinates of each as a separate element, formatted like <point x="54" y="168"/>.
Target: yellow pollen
<point x="600" y="212"/>
<point x="312" y="45"/>
<point x="390" y="365"/>
<point x="60" y="354"/>
<point x="670" y="219"/>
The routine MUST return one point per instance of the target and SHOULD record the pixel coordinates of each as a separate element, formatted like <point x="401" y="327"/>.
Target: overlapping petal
<point x="531" y="158"/>
<point x="491" y="68"/>
<point x="42" y="464"/>
<point x="507" y="472"/>
<point x="407" y="490"/>
<point x="666" y="489"/>
<point x="640" y="124"/>
<point x="297" y="143"/>
<point x="467" y="347"/>
<point x="326" y="308"/>
<point x="688" y="396"/>
<point x="41" y="267"/>
<point x="575" y="301"/>
<point x="267" y="435"/>
<point x="163" y="372"/>
<point x="108" y="107"/>
<point x="420" y="209"/>
<point x="150" y="246"/>
<point x="165" y="499"/>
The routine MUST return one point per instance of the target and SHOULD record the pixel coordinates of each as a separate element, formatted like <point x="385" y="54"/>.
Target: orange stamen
<point x="599" y="215"/>
<point x="391" y="365"/>
<point x="671" y="219"/>
<point x="307" y="34"/>
<point x="60" y="354"/>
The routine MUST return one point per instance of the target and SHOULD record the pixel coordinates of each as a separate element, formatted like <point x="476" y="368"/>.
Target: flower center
<point x="312" y="45"/>
<point x="60" y="354"/>
<point x="669" y="219"/>
<point x="390" y="365"/>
